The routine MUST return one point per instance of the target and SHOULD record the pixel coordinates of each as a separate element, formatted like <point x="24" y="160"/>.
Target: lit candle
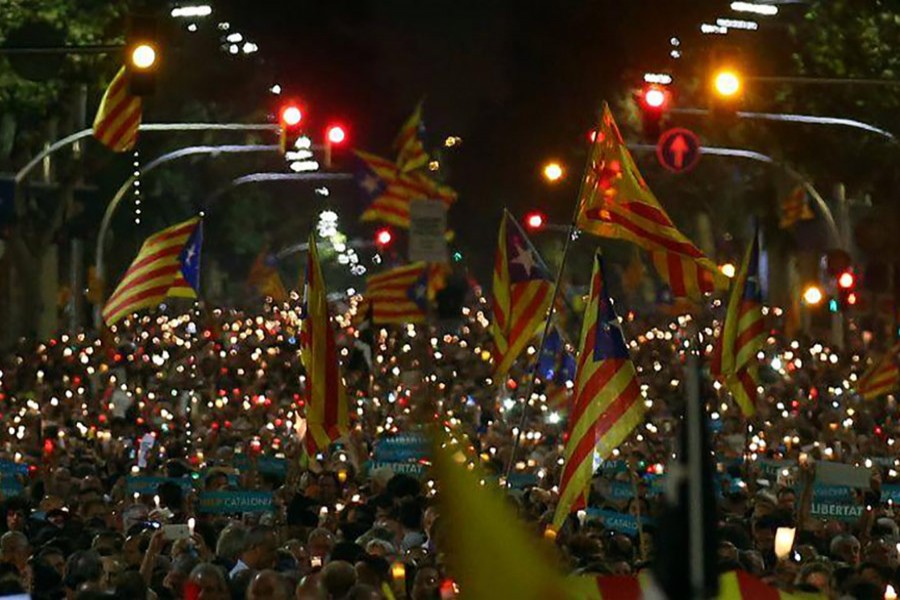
<point x="784" y="541"/>
<point x="190" y="524"/>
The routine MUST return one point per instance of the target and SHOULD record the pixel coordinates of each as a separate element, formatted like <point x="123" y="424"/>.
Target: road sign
<point x="678" y="150"/>
<point x="427" y="230"/>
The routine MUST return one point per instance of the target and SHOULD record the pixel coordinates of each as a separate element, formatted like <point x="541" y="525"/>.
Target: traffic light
<point x="335" y="138"/>
<point x="290" y="117"/>
<point x="726" y="83"/>
<point x="142" y="55"/>
<point x="383" y="237"/>
<point x="846" y="285"/>
<point x="535" y="220"/>
<point x="653" y="101"/>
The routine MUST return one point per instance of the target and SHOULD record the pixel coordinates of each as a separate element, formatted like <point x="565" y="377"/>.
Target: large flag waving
<point x="522" y="294"/>
<point x="389" y="190"/>
<point x="608" y="404"/>
<point x="167" y="265"/>
<point x="881" y="378"/>
<point x="327" y="416"/>
<point x="119" y="116"/>
<point x="743" y="333"/>
<point x="617" y="203"/>
<point x="411" y="153"/>
<point x="399" y="295"/>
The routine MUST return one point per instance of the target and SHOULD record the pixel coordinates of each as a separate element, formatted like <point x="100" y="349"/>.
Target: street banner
<point x="412" y="446"/>
<point x="243" y="501"/>
<point x="427" y="230"/>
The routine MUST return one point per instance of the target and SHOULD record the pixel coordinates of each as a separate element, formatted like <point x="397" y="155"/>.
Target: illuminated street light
<point x="727" y="83"/>
<point x="553" y="171"/>
<point x="812" y="295"/>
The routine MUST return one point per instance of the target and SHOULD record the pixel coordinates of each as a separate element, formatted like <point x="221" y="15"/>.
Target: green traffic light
<point x="833" y="305"/>
<point x="457" y="256"/>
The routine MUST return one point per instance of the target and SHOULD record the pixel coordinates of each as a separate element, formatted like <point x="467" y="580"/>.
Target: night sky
<point x="519" y="81"/>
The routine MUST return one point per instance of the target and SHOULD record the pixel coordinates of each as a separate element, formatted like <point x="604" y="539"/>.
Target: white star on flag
<point x="524" y="258"/>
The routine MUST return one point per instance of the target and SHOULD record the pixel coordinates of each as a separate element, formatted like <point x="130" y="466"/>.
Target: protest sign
<point x="241" y="501"/>
<point x="147" y="485"/>
<point x="616" y="521"/>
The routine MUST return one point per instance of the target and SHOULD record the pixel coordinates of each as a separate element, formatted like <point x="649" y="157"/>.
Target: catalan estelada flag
<point x="399" y="295"/>
<point x="167" y="265"/>
<point x="617" y="203"/>
<point x="327" y="416"/>
<point x="608" y="403"/>
<point x="265" y="279"/>
<point x="794" y="208"/>
<point x="389" y="191"/>
<point x="743" y="333"/>
<point x="522" y="293"/>
<point x="733" y="585"/>
<point x="881" y="378"/>
<point x="411" y="153"/>
<point x="119" y="115"/>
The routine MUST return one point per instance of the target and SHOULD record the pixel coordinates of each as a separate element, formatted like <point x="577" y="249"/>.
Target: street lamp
<point x="143" y="56"/>
<point x="553" y="171"/>
<point x="812" y="295"/>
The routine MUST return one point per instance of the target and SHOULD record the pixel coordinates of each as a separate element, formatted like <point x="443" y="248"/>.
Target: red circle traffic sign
<point x="678" y="150"/>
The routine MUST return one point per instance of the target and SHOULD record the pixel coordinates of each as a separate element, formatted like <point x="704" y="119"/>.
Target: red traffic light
<point x="654" y="97"/>
<point x="383" y="237"/>
<point x="336" y="134"/>
<point x="291" y="115"/>
<point x="534" y="220"/>
<point x="846" y="281"/>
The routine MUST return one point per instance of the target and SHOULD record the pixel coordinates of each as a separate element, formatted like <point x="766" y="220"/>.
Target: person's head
<point x="337" y="578"/>
<point x="372" y="570"/>
<point x="361" y="591"/>
<point x="107" y="543"/>
<point x="83" y="567"/>
<point x="15" y="549"/>
<point x="786" y="498"/>
<point x="268" y="584"/>
<point x="845" y="547"/>
<point x="329" y="487"/>
<point x="876" y="574"/>
<point x="216" y="481"/>
<point x="133" y="550"/>
<point x="179" y="572"/>
<point x="816" y="575"/>
<point x="54" y="558"/>
<point x="260" y="548"/>
<point x="427" y="584"/>
<point x="208" y="582"/>
<point x="320" y="542"/>
<point x="16" y="514"/>
<point x="231" y="543"/>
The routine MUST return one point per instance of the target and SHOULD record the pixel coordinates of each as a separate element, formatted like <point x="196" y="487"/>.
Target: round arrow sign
<point x="678" y="150"/>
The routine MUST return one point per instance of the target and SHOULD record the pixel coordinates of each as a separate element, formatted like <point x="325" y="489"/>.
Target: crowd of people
<point x="164" y="459"/>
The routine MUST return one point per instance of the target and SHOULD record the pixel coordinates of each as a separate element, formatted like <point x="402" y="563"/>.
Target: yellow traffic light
<point x="727" y="83"/>
<point x="553" y="171"/>
<point x="143" y="56"/>
<point x="812" y="295"/>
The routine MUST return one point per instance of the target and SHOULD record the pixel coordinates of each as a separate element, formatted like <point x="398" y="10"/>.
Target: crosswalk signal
<point x="142" y="55"/>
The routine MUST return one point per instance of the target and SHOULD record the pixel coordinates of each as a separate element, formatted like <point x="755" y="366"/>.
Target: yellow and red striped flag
<point x="411" y="153"/>
<point x="743" y="333"/>
<point x="327" y="416"/>
<point x="167" y="265"/>
<point x="881" y="378"/>
<point x="522" y="293"/>
<point x="119" y="115"/>
<point x="399" y="295"/>
<point x="607" y="405"/>
<point x="389" y="191"/>
<point x="617" y="203"/>
<point x="265" y="279"/>
<point x="794" y="208"/>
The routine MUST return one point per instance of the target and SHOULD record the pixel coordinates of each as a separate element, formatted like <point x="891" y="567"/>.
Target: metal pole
<point x="792" y="118"/>
<point x="695" y="474"/>
<point x="80" y="135"/>
<point x="270" y="177"/>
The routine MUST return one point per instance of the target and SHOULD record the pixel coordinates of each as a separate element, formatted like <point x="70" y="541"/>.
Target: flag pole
<point x="570" y="235"/>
